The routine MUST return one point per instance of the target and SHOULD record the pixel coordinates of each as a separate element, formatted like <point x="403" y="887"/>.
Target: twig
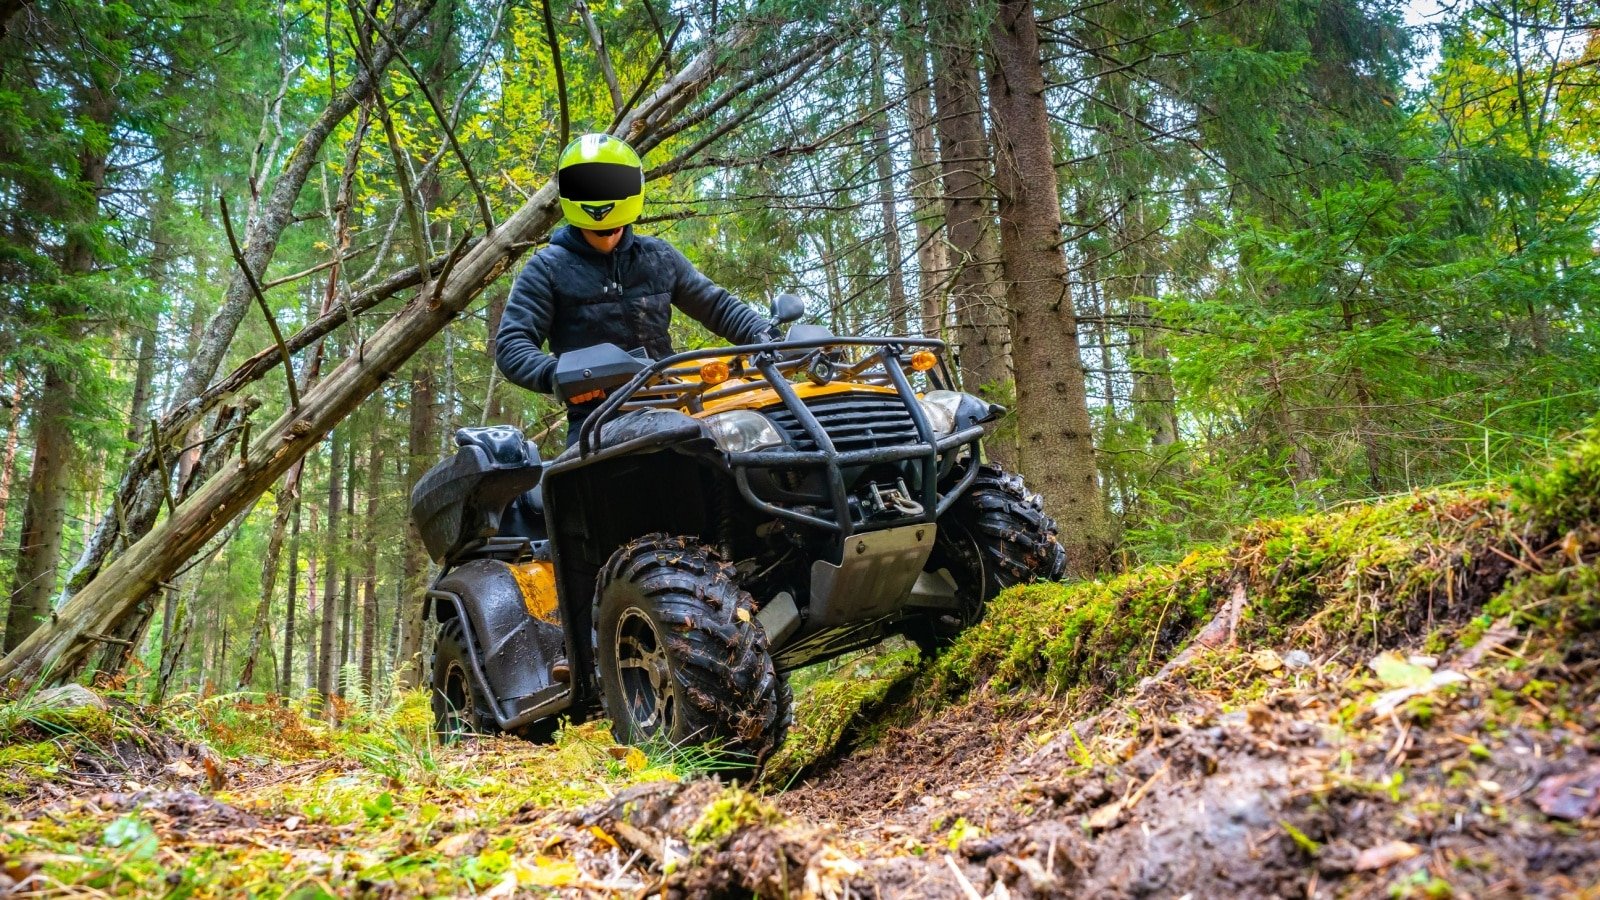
<point x="261" y="299"/>
<point x="106" y="638"/>
<point x="561" y="77"/>
<point x="967" y="889"/>
<point x="449" y="263"/>
<point x="279" y="282"/>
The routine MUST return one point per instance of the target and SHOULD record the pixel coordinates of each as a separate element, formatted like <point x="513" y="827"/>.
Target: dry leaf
<point x="1267" y="660"/>
<point x="1385" y="855"/>
<point x="1572" y="797"/>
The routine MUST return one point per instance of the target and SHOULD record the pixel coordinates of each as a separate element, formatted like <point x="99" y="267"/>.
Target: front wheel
<point x="681" y="656"/>
<point x="995" y="536"/>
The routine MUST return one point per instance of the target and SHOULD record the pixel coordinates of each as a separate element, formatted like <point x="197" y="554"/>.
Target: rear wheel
<point x="994" y="537"/>
<point x="681" y="656"/>
<point x="459" y="708"/>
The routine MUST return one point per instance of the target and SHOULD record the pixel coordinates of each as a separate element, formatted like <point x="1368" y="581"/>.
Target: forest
<point x="1288" y="301"/>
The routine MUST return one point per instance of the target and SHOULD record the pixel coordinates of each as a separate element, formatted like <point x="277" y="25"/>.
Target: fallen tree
<point x="61" y="645"/>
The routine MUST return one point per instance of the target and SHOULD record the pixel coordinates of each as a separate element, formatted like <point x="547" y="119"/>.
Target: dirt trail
<point x="1400" y="700"/>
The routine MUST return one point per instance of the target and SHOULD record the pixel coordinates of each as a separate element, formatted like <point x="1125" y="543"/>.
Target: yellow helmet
<point x="601" y="182"/>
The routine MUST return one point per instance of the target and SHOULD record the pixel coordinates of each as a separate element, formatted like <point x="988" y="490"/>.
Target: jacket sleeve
<point x="523" y="328"/>
<point x="713" y="306"/>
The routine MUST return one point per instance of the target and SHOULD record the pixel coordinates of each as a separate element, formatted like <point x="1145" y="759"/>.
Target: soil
<point x="1454" y="752"/>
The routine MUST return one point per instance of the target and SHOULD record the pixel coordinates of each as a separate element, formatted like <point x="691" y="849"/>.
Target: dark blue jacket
<point x="574" y="296"/>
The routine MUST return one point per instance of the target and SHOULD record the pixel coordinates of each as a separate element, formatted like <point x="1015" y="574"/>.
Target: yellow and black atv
<point x="724" y="517"/>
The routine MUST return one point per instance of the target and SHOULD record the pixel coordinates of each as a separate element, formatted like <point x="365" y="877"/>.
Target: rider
<point x="599" y="282"/>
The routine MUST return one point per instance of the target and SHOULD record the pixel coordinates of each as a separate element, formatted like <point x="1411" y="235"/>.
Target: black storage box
<point x="460" y="501"/>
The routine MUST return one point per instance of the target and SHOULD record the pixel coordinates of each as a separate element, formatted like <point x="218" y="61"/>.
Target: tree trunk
<point x="139" y="405"/>
<point x="421" y="455"/>
<point x="932" y="264"/>
<point x="1057" y="438"/>
<point x="152" y="558"/>
<point x="330" y="568"/>
<point x="981" y="315"/>
<point x="285" y="679"/>
<point x="39" y="551"/>
<point x="313" y="611"/>
<point x="369" y="578"/>
<point x="899" y="315"/>
<point x="347" y="569"/>
<point x="287" y="499"/>
<point x="44" y="515"/>
<point x="8" y="456"/>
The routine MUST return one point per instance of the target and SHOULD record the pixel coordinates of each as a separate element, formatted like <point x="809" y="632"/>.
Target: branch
<point x="261" y="299"/>
<point x="600" y="51"/>
<point x="655" y="66"/>
<point x="561" y="78"/>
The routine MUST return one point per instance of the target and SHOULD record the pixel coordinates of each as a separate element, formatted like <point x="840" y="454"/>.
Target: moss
<point x="734" y="809"/>
<point x="830" y="700"/>
<point x="1369" y="573"/>
<point x="23" y="764"/>
<point x="1566" y="494"/>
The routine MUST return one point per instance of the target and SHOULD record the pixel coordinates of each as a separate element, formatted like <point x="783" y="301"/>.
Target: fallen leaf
<point x="291" y="823"/>
<point x="1106" y="816"/>
<point x="182" y="769"/>
<point x="1385" y="855"/>
<point x="600" y="833"/>
<point x="1267" y="660"/>
<point x="214" y="772"/>
<point x="1499" y="634"/>
<point x="1572" y="796"/>
<point x="1389" y="702"/>
<point x="743" y="614"/>
<point x="636" y="761"/>
<point x="1394" y="671"/>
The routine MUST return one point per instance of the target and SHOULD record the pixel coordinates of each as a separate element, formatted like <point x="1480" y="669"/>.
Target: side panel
<point x="517" y="648"/>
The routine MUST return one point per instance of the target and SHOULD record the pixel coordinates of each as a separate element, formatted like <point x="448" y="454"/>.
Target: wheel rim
<point x="646" y="678"/>
<point x="459" y="715"/>
<point x="966" y="552"/>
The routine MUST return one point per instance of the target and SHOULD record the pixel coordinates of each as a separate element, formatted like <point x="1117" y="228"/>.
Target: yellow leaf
<point x="547" y="872"/>
<point x="600" y="833"/>
<point x="743" y="614"/>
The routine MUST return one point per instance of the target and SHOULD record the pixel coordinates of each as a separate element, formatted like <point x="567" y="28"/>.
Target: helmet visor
<point x="591" y="181"/>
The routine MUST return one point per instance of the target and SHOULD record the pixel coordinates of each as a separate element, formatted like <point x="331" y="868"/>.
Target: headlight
<point x="741" y="431"/>
<point x="940" y="408"/>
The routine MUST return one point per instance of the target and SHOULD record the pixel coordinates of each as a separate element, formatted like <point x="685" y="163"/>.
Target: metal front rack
<point x="661" y="385"/>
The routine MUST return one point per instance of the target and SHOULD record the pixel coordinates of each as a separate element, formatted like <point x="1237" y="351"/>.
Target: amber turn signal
<point x="923" y="360"/>
<point x="586" y="397"/>
<point x="714" y="372"/>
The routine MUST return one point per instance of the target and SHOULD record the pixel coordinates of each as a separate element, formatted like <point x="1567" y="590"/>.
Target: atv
<point x="725" y="516"/>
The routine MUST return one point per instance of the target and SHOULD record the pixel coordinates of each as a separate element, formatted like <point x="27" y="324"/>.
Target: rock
<point x="1297" y="659"/>
<point x="68" y="698"/>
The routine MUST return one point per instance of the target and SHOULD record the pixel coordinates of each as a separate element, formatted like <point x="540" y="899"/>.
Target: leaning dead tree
<point x="103" y="602"/>
<point x="137" y="502"/>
